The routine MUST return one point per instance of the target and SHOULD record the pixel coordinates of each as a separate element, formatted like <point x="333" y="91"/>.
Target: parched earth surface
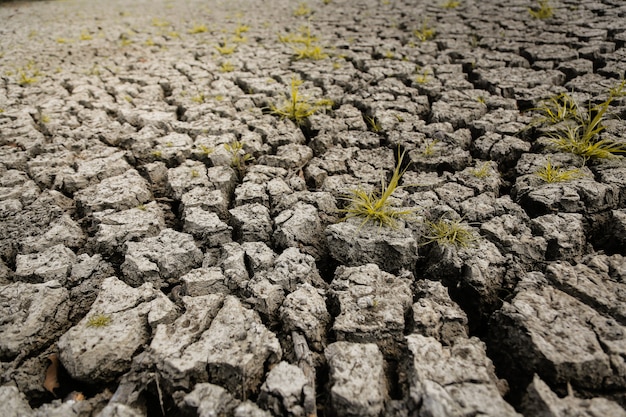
<point x="172" y="244"/>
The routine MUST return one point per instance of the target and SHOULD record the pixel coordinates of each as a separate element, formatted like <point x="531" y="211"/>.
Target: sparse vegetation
<point x="425" y="32"/>
<point x="374" y="125"/>
<point x="226" y="49"/>
<point x="429" y="149"/>
<point x="302" y="10"/>
<point x="297" y="108"/>
<point x="451" y="4"/>
<point x="552" y="173"/>
<point x="99" y="320"/>
<point x="423" y="77"/>
<point x="543" y="10"/>
<point x="239" y="157"/>
<point x="198" y="28"/>
<point x="582" y="136"/>
<point x="557" y="109"/>
<point x="305" y="44"/>
<point x="447" y="232"/>
<point x="483" y="171"/>
<point x="375" y="206"/>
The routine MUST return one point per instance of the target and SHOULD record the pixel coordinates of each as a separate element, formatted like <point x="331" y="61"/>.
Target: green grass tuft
<point x="446" y="232"/>
<point x="551" y="173"/>
<point x="543" y="11"/>
<point x="99" y="320"/>
<point x="375" y="207"/>
<point x="297" y="108"/>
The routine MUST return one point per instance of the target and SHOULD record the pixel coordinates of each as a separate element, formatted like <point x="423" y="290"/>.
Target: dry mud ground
<point x="170" y="245"/>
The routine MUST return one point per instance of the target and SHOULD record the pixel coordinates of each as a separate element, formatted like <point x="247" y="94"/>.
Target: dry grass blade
<point x="376" y="207"/>
<point x="446" y="232"/>
<point x="551" y="173"/>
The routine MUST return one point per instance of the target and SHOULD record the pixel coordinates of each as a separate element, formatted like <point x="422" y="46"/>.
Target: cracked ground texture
<point x="172" y="240"/>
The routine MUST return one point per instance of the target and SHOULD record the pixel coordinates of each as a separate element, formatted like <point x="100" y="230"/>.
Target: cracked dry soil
<point x="169" y="246"/>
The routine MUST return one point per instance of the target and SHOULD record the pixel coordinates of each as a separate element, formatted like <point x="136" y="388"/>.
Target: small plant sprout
<point x="451" y="4"/>
<point x="160" y="23"/>
<point x="297" y="108"/>
<point x="557" y="109"/>
<point x="425" y="32"/>
<point x="306" y="46"/>
<point x="423" y="77"/>
<point x="446" y="232"/>
<point x="542" y="11"/>
<point x="99" y="320"/>
<point x="226" y="66"/>
<point x="483" y="171"/>
<point x="198" y="98"/>
<point x="429" y="149"/>
<point x="225" y="49"/>
<point x="239" y="157"/>
<point x="198" y="28"/>
<point x="582" y="139"/>
<point x="302" y="10"/>
<point x="373" y="124"/>
<point x="141" y="207"/>
<point x="194" y="173"/>
<point x="375" y="207"/>
<point x="551" y="173"/>
<point x="85" y="36"/>
<point x="205" y="150"/>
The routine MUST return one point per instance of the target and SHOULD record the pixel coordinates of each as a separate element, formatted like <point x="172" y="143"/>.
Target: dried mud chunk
<point x="101" y="346"/>
<point x="13" y="403"/>
<point x="439" y="383"/>
<point x="63" y="231"/>
<point x="162" y="259"/>
<point x="54" y="263"/>
<point x="592" y="286"/>
<point x="282" y="392"/>
<point x="304" y="310"/>
<point x="548" y="332"/>
<point x="251" y="222"/>
<point x="207" y="227"/>
<point x="372" y="305"/>
<point x="353" y="243"/>
<point x="539" y="400"/>
<point x="115" y="229"/>
<point x="436" y="315"/>
<point x="564" y="234"/>
<point x="239" y="347"/>
<point x="358" y="385"/>
<point x="300" y="227"/>
<point x="184" y="178"/>
<point x="33" y="315"/>
<point x="209" y="400"/>
<point x="118" y="193"/>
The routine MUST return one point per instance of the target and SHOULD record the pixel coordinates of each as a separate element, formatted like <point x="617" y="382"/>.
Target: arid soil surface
<point x="180" y="232"/>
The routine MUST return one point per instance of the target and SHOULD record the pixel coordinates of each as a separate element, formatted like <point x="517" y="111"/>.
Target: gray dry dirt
<point x="169" y="245"/>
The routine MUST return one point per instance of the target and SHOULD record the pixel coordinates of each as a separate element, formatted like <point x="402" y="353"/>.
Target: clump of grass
<point x="483" y="171"/>
<point x="451" y="4"/>
<point x="552" y="173"/>
<point x="226" y="49"/>
<point x="375" y="206"/>
<point x="425" y="32"/>
<point x="226" y="66"/>
<point x="557" y="109"/>
<point x="373" y="124"/>
<point x="429" y="149"/>
<point x="99" y="320"/>
<point x="239" y="157"/>
<point x="542" y="11"/>
<point x="446" y="232"/>
<point x="583" y="138"/>
<point x="302" y="10"/>
<point x="198" y="28"/>
<point x="297" y="108"/>
<point x="305" y="44"/>
<point x="423" y="77"/>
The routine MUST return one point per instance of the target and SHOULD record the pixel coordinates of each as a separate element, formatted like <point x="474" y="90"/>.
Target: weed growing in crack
<point x="425" y="32"/>
<point x="481" y="172"/>
<point x="375" y="207"/>
<point x="429" y="149"/>
<point x="557" y="109"/>
<point x="239" y="157"/>
<point x="451" y="4"/>
<point x="582" y="138"/>
<point x="296" y="107"/>
<point x="308" y="47"/>
<point x="373" y="124"/>
<point x="552" y="173"/>
<point x="446" y="232"/>
<point x="542" y="11"/>
<point x="99" y="320"/>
